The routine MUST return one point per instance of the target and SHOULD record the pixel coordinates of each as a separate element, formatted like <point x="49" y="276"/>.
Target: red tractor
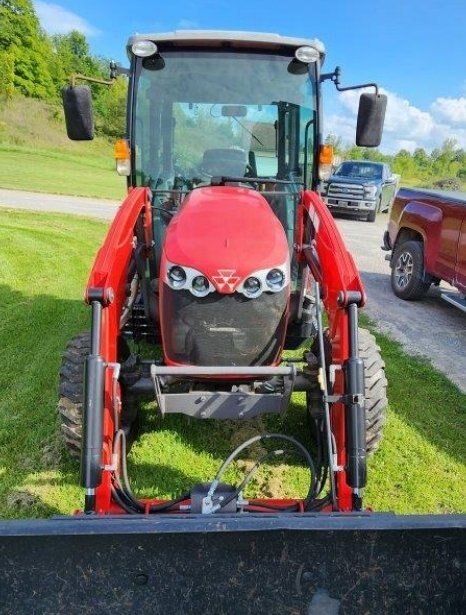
<point x="224" y="256"/>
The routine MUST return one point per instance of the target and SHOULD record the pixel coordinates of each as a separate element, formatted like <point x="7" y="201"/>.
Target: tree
<point x="111" y="108"/>
<point x="404" y="164"/>
<point x="336" y="142"/>
<point x="7" y="74"/>
<point x="23" y="40"/>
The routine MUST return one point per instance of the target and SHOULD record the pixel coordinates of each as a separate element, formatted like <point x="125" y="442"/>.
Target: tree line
<point x="37" y="65"/>
<point x="443" y="167"/>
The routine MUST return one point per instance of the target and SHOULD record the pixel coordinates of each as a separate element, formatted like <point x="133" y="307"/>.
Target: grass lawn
<point x="45" y="261"/>
<point x="57" y="172"/>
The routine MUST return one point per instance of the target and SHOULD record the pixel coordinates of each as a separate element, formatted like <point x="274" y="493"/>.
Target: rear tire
<point x="408" y="273"/>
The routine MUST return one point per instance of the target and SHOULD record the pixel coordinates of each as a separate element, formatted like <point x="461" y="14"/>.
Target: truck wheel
<point x="408" y="274"/>
<point x="371" y="216"/>
<point x="71" y="391"/>
<point x="375" y="388"/>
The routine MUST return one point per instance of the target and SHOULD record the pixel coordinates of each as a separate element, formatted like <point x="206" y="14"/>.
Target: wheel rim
<point x="403" y="270"/>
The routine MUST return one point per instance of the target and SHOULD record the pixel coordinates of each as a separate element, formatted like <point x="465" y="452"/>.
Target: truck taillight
<point x="122" y="157"/>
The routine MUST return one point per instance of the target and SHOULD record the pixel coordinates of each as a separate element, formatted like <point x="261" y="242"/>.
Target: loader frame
<point x="342" y="293"/>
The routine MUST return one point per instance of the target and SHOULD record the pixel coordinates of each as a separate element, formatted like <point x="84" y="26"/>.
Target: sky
<point x="414" y="49"/>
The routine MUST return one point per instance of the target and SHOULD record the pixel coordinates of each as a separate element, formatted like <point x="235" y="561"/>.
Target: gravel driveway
<point x="430" y="327"/>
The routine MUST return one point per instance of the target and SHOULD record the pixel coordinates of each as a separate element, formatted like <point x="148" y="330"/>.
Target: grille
<point x="223" y="329"/>
<point x="346" y="191"/>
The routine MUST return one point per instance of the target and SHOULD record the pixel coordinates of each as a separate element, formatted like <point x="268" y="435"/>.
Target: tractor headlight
<point x="252" y="287"/>
<point x="176" y="276"/>
<point x="181" y="277"/>
<point x="265" y="281"/>
<point x="200" y="286"/>
<point x="275" y="279"/>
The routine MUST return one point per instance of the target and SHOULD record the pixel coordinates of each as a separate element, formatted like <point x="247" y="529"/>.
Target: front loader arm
<point x="106" y="293"/>
<point x="321" y="246"/>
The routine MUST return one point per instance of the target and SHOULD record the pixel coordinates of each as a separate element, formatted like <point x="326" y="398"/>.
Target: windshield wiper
<point x="247" y="130"/>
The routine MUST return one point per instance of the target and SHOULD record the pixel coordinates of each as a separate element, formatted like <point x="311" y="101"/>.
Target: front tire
<point x="71" y="392"/>
<point x="408" y="273"/>
<point x="375" y="388"/>
<point x="375" y="385"/>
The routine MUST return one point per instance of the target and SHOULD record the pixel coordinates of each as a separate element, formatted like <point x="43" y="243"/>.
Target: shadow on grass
<point x="34" y="331"/>
<point x="221" y="437"/>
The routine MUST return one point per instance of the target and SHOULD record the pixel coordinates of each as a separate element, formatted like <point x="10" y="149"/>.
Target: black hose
<point x="125" y="488"/>
<point x="247" y="479"/>
<point x="268" y="436"/>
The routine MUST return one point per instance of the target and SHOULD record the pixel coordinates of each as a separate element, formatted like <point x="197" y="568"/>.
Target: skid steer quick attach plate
<point x="371" y="563"/>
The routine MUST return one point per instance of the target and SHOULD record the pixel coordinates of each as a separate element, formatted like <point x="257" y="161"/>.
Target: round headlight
<point x="275" y="279"/>
<point x="200" y="285"/>
<point x="176" y="276"/>
<point x="252" y="286"/>
<point x="307" y="54"/>
<point x="144" y="49"/>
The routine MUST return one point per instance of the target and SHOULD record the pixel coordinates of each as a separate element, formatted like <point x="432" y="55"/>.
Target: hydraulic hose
<point x="268" y="436"/>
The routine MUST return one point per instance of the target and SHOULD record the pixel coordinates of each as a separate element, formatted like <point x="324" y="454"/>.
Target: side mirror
<point x="371" y="116"/>
<point x="79" y="117"/>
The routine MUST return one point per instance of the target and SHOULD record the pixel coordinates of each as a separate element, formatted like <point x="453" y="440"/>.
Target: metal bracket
<point x="335" y="77"/>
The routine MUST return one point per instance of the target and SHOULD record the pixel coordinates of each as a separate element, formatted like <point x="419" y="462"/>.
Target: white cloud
<point x="406" y="126"/>
<point x="187" y="24"/>
<point x="55" y="19"/>
<point x="450" y="109"/>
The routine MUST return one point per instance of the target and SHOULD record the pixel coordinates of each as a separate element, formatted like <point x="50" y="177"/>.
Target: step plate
<point x="455" y="299"/>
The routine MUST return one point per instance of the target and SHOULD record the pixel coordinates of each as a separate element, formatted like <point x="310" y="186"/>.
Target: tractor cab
<point x="236" y="122"/>
<point x="222" y="111"/>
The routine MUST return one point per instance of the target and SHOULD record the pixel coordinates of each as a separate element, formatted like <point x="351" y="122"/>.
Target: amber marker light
<point x="325" y="161"/>
<point x="122" y="157"/>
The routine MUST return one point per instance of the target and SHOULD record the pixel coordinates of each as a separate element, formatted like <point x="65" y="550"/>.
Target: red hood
<point x="226" y="231"/>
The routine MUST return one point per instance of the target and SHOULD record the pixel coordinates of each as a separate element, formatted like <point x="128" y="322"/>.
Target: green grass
<point x="42" y="170"/>
<point x="45" y="261"/>
<point x="36" y="154"/>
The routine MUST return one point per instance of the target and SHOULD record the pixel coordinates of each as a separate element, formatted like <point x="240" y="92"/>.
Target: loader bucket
<point x="288" y="564"/>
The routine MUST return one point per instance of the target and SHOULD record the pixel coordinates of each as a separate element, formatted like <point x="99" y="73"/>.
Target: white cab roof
<point x="256" y="39"/>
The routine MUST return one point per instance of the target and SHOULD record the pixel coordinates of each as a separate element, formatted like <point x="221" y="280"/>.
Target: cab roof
<point x="238" y="39"/>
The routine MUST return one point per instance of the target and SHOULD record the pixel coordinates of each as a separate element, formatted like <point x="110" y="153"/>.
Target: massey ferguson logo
<point x="226" y="279"/>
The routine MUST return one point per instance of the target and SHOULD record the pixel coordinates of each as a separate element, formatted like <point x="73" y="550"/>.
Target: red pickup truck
<point x="427" y="238"/>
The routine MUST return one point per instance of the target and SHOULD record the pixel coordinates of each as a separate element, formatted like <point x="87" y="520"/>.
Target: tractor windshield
<point x="203" y="114"/>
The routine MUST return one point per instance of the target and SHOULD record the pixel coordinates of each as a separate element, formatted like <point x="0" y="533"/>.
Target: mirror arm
<point x="76" y="76"/>
<point x="335" y="77"/>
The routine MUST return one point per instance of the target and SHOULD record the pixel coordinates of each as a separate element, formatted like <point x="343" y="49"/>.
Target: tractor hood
<point x="227" y="234"/>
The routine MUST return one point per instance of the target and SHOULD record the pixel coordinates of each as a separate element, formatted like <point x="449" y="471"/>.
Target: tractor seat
<point x="220" y="162"/>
